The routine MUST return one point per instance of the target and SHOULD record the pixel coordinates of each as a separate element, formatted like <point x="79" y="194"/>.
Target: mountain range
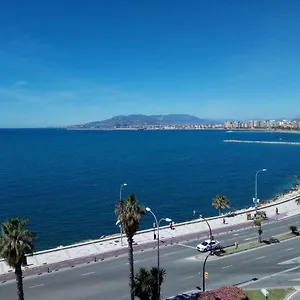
<point x="139" y="120"/>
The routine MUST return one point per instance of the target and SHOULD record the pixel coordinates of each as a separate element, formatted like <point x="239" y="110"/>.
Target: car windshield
<point x="204" y="244"/>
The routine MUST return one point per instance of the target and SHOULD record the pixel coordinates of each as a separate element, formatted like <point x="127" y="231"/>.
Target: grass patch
<point x="275" y="294"/>
<point x="254" y="244"/>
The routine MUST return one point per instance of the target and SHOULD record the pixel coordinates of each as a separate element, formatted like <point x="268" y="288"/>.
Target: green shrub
<point x="293" y="229"/>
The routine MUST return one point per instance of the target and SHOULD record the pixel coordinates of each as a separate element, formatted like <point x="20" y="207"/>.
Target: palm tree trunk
<point x="131" y="272"/>
<point x="19" y="279"/>
<point x="259" y="233"/>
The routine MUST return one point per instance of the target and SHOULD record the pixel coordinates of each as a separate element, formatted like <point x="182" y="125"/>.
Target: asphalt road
<point x="109" y="279"/>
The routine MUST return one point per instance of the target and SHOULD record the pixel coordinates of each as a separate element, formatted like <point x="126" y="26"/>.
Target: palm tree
<point x="129" y="213"/>
<point x="221" y="202"/>
<point x="145" y="283"/>
<point x="257" y="222"/>
<point x="15" y="242"/>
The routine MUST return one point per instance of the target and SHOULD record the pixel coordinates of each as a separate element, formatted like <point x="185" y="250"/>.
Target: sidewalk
<point x="110" y="246"/>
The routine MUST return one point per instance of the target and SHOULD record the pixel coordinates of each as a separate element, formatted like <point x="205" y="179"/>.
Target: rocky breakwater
<point x="263" y="142"/>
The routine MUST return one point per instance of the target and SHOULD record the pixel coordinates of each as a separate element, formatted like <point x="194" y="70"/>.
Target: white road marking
<point x="269" y="276"/>
<point x="187" y="246"/>
<point x="188" y="278"/>
<point x="89" y="273"/>
<point x="227" y="267"/>
<point x="35" y="286"/>
<point x="236" y="234"/>
<point x="247" y="239"/>
<point x="260" y="257"/>
<point x="170" y="253"/>
<point x="289" y="249"/>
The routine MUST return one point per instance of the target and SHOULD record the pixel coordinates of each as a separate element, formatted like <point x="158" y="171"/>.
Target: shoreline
<point x="279" y="198"/>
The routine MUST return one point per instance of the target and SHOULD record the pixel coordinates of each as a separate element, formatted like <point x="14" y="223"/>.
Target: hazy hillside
<point x="139" y="119"/>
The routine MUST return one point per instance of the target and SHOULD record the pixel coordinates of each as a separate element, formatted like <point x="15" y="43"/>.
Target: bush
<point x="293" y="229"/>
<point x="224" y="293"/>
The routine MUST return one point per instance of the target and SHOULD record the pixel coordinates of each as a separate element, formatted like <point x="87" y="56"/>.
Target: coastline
<point x="172" y="129"/>
<point x="279" y="198"/>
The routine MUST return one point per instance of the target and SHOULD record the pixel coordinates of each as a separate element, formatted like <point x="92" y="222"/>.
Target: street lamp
<point x="157" y="225"/>
<point x="119" y="222"/>
<point x="255" y="199"/>
<point x="210" y="253"/>
<point x="124" y="184"/>
<point x="121" y="231"/>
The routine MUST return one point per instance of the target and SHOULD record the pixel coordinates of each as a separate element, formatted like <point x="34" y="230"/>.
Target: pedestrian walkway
<point x="111" y="246"/>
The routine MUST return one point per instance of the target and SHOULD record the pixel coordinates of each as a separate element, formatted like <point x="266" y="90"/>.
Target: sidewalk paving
<point x="111" y="246"/>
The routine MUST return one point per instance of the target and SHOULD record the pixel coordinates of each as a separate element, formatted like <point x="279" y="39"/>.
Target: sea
<point x="67" y="182"/>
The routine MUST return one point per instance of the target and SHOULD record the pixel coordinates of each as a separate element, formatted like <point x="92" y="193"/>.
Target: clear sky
<point x="68" y="62"/>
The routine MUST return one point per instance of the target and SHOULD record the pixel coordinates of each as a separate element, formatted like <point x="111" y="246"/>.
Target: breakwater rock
<point x="262" y="142"/>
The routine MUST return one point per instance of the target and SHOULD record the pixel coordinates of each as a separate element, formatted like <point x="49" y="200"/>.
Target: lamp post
<point x="119" y="222"/>
<point x="121" y="231"/>
<point x="124" y="184"/>
<point x="255" y="199"/>
<point x="157" y="225"/>
<point x="210" y="253"/>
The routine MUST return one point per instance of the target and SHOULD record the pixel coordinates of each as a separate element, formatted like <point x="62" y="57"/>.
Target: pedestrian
<point x="223" y="220"/>
<point x="171" y="225"/>
<point x="48" y="270"/>
<point x="236" y="245"/>
<point x="154" y="233"/>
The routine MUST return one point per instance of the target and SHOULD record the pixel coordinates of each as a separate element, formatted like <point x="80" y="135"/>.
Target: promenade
<point x="108" y="247"/>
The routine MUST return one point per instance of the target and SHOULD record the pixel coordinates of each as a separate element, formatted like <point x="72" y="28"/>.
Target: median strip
<point x="275" y="294"/>
<point x="252" y="245"/>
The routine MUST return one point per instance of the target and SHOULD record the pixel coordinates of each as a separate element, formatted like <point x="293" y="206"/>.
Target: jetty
<point x="263" y="142"/>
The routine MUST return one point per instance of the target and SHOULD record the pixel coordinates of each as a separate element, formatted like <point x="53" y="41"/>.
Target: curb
<point x="290" y="296"/>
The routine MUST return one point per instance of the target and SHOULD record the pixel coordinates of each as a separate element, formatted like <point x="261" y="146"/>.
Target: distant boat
<point x="229" y="131"/>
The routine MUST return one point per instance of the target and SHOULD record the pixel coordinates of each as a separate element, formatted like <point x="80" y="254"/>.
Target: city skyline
<point x="89" y="62"/>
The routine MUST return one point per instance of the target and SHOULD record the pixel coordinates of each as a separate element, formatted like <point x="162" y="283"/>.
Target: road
<point x="109" y="279"/>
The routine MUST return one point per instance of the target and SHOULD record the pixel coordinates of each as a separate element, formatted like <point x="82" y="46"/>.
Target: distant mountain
<point x="138" y="119"/>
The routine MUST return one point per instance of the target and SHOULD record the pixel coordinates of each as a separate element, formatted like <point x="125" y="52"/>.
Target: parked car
<point x="208" y="245"/>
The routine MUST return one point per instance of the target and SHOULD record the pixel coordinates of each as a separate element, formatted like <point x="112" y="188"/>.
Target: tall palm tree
<point x="257" y="222"/>
<point x="221" y="202"/>
<point x="15" y="242"/>
<point x="145" y="283"/>
<point x="129" y="213"/>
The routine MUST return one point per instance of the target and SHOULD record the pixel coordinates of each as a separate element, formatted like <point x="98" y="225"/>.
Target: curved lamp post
<point x="124" y="184"/>
<point x="119" y="222"/>
<point x="210" y="253"/>
<point x="121" y="231"/>
<point x="148" y="209"/>
<point x="255" y="199"/>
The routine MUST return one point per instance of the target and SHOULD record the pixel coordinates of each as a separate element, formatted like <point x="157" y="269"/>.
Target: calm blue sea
<point x="67" y="182"/>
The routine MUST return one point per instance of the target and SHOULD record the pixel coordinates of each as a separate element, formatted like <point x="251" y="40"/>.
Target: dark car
<point x="271" y="240"/>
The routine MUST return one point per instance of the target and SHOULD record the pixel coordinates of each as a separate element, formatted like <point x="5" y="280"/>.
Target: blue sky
<point x="68" y="62"/>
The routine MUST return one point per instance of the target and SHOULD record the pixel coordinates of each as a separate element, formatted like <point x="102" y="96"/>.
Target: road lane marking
<point x="187" y="246"/>
<point x="35" y="286"/>
<point x="247" y="239"/>
<point x="236" y="234"/>
<point x="89" y="273"/>
<point x="260" y="257"/>
<point x="289" y="249"/>
<point x="267" y="277"/>
<point x="227" y="267"/>
<point x="170" y="253"/>
<point x="188" y="278"/>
